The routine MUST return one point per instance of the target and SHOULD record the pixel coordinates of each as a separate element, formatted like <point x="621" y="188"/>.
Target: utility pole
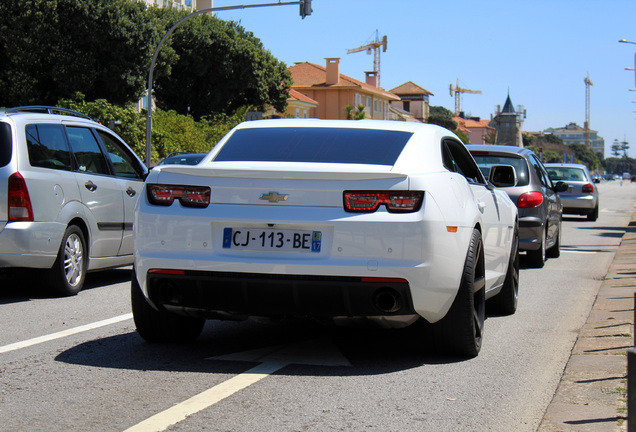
<point x="586" y="125"/>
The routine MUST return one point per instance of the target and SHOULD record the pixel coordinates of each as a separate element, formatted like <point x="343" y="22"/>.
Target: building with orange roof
<point x="413" y="99"/>
<point x="333" y="91"/>
<point x="477" y="130"/>
<point x="298" y="106"/>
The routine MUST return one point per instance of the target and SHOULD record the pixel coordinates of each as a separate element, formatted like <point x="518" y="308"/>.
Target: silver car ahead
<point x="68" y="189"/>
<point x="581" y="197"/>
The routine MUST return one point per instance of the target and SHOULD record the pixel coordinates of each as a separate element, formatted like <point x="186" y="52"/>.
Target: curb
<point x="592" y="394"/>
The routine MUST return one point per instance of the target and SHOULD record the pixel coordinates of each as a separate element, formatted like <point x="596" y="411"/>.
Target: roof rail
<point x="47" y="110"/>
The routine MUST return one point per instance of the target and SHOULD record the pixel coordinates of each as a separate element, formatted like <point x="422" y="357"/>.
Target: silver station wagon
<point x="68" y="189"/>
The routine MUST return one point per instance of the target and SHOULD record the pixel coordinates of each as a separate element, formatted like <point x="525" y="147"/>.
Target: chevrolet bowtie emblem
<point x="273" y="197"/>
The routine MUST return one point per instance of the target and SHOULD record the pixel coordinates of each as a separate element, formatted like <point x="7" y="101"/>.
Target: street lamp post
<point x="305" y="9"/>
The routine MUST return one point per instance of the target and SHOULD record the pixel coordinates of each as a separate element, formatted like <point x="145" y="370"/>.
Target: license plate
<point x="272" y="239"/>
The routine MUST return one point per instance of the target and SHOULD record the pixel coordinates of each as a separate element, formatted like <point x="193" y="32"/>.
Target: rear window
<point x="567" y="173"/>
<point x="5" y="144"/>
<point x="322" y="145"/>
<point x="485" y="161"/>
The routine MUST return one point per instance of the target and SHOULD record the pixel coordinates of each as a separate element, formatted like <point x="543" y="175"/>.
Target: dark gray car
<point x="536" y="197"/>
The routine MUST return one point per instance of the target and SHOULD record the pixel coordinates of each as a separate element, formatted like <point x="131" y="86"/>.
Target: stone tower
<point x="508" y="125"/>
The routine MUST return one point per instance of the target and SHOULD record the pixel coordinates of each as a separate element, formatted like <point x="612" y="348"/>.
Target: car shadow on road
<point x="363" y="351"/>
<point x="24" y="285"/>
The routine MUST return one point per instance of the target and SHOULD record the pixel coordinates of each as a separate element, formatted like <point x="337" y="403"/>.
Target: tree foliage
<point x="442" y="117"/>
<point x="52" y="49"/>
<point x="221" y="67"/>
<point x="171" y="131"/>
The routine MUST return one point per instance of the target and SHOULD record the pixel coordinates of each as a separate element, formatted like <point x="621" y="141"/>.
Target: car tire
<point x="536" y="258"/>
<point x="555" y="250"/>
<point x="69" y="270"/>
<point x="160" y="326"/>
<point x="594" y="215"/>
<point x="460" y="332"/>
<point x="505" y="303"/>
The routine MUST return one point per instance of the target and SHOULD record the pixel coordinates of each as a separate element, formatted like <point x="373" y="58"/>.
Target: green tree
<point x="52" y="49"/>
<point x="220" y="68"/>
<point x="442" y="117"/>
<point x="585" y="155"/>
<point x="171" y="131"/>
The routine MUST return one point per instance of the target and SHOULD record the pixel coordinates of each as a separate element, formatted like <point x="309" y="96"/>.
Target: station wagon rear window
<point x="318" y="145"/>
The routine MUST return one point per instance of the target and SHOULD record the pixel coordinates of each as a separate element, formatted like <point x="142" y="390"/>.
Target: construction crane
<point x="457" y="91"/>
<point x="373" y="47"/>
<point x="586" y="125"/>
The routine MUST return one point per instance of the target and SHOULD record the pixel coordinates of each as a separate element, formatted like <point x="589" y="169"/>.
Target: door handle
<point x="90" y="186"/>
<point x="131" y="192"/>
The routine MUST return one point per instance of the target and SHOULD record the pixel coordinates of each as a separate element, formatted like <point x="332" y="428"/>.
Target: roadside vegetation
<point x="94" y="56"/>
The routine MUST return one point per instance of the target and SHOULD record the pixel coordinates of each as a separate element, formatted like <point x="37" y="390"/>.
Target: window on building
<point x="406" y="105"/>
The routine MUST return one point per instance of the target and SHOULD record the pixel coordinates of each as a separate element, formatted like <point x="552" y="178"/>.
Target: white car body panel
<point x="427" y="248"/>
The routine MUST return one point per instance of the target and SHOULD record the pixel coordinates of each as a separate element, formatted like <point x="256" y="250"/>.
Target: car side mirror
<point x="597" y="180"/>
<point x="503" y="175"/>
<point x="561" y="186"/>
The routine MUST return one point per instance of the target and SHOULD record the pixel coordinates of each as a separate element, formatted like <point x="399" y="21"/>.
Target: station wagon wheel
<point x="461" y="330"/>
<point x="159" y="325"/>
<point x="506" y="301"/>
<point x="69" y="270"/>
<point x="594" y="215"/>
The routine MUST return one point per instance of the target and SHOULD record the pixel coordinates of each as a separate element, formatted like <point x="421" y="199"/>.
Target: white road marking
<point x="64" y="333"/>
<point x="317" y="352"/>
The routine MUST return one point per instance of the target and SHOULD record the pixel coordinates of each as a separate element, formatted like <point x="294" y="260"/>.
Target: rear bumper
<point x="236" y="295"/>
<point x="531" y="233"/>
<point x="579" y="205"/>
<point x="30" y="244"/>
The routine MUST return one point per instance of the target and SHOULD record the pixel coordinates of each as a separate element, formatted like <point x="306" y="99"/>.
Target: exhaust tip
<point x="387" y="300"/>
<point x="170" y="293"/>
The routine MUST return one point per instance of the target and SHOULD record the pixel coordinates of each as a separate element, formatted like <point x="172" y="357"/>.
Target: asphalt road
<point x="76" y="364"/>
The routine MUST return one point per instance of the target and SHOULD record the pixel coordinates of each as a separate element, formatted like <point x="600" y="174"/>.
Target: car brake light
<point x="530" y="199"/>
<point x="188" y="196"/>
<point x="394" y="201"/>
<point x="19" y="201"/>
<point x="588" y="188"/>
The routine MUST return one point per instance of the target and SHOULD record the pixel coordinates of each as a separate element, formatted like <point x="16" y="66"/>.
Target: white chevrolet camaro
<point x="380" y="221"/>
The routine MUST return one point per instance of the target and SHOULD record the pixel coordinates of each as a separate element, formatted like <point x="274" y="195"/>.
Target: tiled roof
<point x="309" y="75"/>
<point x="468" y="123"/>
<point x="409" y="88"/>
<point x="296" y="95"/>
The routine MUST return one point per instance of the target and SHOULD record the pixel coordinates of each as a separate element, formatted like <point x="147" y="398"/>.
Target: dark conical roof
<point x="508" y="107"/>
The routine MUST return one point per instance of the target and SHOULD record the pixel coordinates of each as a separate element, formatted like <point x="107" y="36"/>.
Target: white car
<point x="382" y="221"/>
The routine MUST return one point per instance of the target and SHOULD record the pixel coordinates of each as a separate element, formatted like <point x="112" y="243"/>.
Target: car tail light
<point x="19" y="201"/>
<point x="530" y="199"/>
<point x="188" y="196"/>
<point x="588" y="188"/>
<point x="394" y="201"/>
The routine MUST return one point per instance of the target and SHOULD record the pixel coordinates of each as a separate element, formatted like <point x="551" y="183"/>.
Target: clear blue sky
<point x="540" y="51"/>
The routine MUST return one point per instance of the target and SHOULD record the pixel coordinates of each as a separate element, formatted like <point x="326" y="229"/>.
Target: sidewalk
<point x="592" y="395"/>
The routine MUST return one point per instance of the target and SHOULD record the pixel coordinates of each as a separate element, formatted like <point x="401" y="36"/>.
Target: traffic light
<point x="305" y="8"/>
